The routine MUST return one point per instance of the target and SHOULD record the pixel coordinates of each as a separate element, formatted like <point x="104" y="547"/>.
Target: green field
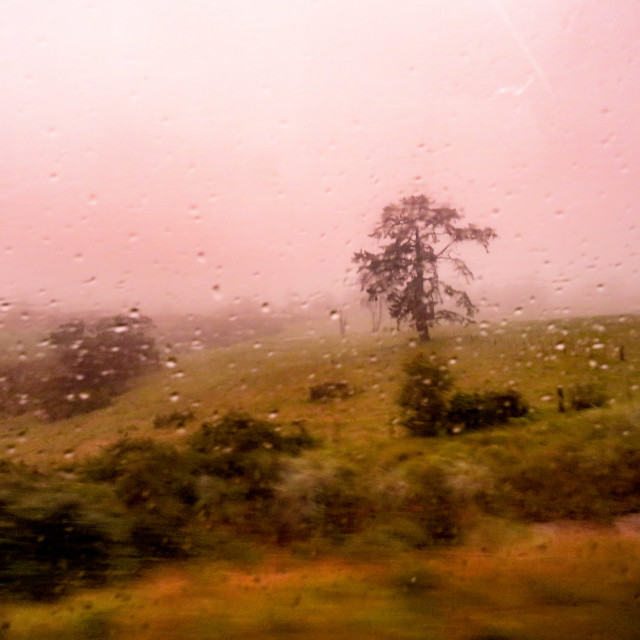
<point x="525" y="530"/>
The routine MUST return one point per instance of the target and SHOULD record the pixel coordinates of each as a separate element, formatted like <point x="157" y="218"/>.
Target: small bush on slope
<point x="423" y="396"/>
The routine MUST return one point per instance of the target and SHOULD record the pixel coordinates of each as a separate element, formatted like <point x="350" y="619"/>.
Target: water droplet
<point x="517" y="311"/>
<point x="600" y="288"/>
<point x="202" y="257"/>
<point x="171" y="363"/>
<point x="265" y="308"/>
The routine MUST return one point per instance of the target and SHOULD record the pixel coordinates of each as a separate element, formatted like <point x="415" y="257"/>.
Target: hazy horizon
<point x="179" y="156"/>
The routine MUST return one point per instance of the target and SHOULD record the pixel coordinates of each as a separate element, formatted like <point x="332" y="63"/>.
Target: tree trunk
<point x="420" y="312"/>
<point x="422" y="327"/>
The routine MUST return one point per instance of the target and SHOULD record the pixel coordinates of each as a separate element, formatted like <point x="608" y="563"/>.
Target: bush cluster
<point x="569" y="482"/>
<point x="238" y="433"/>
<point x="428" y="409"/>
<point x="424" y="396"/>
<point x="330" y="391"/>
<point x="587" y="395"/>
<point x="226" y="474"/>
<point x="173" y="420"/>
<point x="317" y="498"/>
<point x="52" y="539"/>
<point x="85" y="367"/>
<point x="478" y="410"/>
<point x="96" y="363"/>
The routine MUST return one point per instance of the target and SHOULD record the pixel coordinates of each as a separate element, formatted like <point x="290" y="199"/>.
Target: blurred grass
<point x="550" y="584"/>
<point x="505" y="579"/>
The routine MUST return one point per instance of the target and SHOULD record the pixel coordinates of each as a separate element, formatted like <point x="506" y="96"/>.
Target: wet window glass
<point x="319" y="317"/>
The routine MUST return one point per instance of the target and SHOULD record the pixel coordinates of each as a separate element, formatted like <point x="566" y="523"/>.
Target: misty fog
<point x="182" y="157"/>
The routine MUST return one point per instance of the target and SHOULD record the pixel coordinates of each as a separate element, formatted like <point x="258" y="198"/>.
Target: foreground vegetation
<point x="269" y="489"/>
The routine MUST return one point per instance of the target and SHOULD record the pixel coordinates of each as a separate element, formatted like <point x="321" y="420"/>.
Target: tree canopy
<point x="96" y="363"/>
<point x="417" y="238"/>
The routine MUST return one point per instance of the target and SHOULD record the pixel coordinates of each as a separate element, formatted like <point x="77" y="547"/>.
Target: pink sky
<point x="154" y="149"/>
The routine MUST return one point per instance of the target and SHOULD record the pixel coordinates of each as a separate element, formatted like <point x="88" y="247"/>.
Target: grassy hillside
<point x="271" y="377"/>
<point x="513" y="531"/>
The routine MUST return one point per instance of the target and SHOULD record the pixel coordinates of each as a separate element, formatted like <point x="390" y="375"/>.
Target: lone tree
<point x="416" y="238"/>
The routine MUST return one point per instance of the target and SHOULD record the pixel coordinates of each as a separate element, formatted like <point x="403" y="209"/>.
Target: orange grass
<point x="558" y="582"/>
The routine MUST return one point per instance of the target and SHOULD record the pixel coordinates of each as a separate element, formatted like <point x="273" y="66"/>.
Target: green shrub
<point x="427" y="409"/>
<point x="331" y="391"/>
<point x="173" y="420"/>
<point x="423" y="396"/>
<point x="156" y="537"/>
<point x="587" y="395"/>
<point x="93" y="364"/>
<point x="226" y="475"/>
<point x="20" y="386"/>
<point x="239" y="445"/>
<point x="64" y="396"/>
<point x="318" y="498"/>
<point x="46" y="548"/>
<point x="435" y="505"/>
<point x="121" y="456"/>
<point x="148" y="476"/>
<point x="478" y="410"/>
<point x="237" y="432"/>
<point x="583" y="483"/>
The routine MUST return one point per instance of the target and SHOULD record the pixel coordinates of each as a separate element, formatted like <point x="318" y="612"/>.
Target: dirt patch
<point x="629" y="526"/>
